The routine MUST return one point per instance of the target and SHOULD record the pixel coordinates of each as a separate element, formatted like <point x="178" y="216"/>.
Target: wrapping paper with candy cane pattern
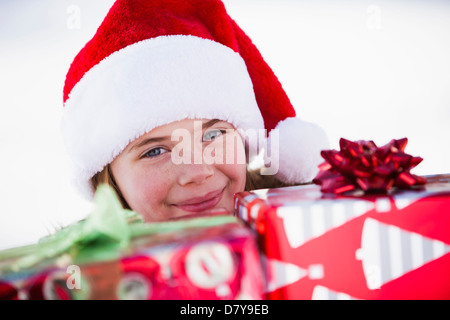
<point x="323" y="246"/>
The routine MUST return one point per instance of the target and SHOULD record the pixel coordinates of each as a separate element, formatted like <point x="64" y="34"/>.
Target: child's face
<point x="199" y="170"/>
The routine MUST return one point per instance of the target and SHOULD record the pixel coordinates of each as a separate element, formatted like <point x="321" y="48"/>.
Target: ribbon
<point x="361" y="165"/>
<point x="104" y="235"/>
<point x="100" y="236"/>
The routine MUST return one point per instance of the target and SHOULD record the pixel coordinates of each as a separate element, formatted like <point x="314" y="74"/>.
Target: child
<point x="163" y="94"/>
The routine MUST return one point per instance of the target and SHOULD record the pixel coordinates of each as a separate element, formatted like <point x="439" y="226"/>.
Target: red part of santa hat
<point x="152" y="62"/>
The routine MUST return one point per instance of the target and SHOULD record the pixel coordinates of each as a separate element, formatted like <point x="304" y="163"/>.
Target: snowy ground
<point x="361" y="69"/>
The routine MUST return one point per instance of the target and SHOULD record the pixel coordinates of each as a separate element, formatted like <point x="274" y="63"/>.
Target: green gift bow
<point x="103" y="235"/>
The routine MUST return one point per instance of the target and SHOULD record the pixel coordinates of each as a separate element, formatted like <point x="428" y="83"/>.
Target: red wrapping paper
<point x="327" y="246"/>
<point x="217" y="263"/>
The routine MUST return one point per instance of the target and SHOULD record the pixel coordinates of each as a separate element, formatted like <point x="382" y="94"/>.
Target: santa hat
<point x="152" y="62"/>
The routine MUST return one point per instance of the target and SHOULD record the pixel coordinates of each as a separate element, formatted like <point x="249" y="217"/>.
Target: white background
<point x="372" y="70"/>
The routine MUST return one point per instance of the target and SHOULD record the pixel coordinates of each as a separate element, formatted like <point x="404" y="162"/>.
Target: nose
<point x="194" y="173"/>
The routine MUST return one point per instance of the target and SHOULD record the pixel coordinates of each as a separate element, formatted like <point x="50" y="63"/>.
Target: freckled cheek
<point x="236" y="174"/>
<point x="231" y="150"/>
<point x="236" y="166"/>
<point x="148" y="191"/>
<point x="155" y="191"/>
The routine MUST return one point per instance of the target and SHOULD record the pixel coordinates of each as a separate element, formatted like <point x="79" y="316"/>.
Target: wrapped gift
<point x="317" y="245"/>
<point x="114" y="255"/>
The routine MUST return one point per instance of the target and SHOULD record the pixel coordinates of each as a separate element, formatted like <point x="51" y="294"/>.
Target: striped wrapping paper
<point x="321" y="246"/>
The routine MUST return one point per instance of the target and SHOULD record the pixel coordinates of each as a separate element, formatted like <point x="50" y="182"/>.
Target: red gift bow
<point x="361" y="164"/>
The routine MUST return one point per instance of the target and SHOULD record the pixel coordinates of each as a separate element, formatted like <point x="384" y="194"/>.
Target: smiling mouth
<point x="207" y="202"/>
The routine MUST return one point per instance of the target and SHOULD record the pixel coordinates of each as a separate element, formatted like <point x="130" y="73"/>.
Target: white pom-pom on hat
<point x="293" y="150"/>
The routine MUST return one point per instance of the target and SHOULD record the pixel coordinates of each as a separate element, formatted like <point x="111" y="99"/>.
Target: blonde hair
<point x="106" y="177"/>
<point x="254" y="180"/>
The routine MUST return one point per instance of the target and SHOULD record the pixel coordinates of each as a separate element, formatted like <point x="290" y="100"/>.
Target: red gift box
<point x="204" y="257"/>
<point x="327" y="246"/>
<point x="217" y="262"/>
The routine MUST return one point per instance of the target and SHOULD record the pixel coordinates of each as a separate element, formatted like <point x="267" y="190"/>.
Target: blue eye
<point x="212" y="134"/>
<point x="154" y="152"/>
